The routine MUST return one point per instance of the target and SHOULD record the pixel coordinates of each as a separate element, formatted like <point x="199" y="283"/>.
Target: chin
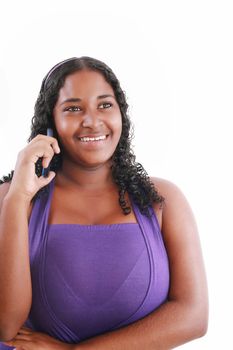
<point x="94" y="164"/>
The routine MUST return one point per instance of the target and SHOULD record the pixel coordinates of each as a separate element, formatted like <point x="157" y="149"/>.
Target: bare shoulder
<point x="4" y="188"/>
<point x="175" y="204"/>
<point x="167" y="188"/>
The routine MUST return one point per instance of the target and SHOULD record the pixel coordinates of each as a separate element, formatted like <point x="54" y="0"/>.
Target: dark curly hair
<point x="129" y="175"/>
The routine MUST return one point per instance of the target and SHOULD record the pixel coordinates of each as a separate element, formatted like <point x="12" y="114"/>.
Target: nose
<point x="91" y="120"/>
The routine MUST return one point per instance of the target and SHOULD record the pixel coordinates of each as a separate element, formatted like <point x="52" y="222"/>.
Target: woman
<point x="98" y="255"/>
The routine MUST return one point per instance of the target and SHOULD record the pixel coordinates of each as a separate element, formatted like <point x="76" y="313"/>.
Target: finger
<point x="26" y="337"/>
<point x="25" y="330"/>
<point x="18" y="344"/>
<point x="54" y="144"/>
<point x="52" y="141"/>
<point x="43" y="181"/>
<point x="24" y="333"/>
<point x="43" y="151"/>
<point x="47" y="157"/>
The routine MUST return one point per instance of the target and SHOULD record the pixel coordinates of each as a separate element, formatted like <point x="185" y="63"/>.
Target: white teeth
<point x="87" y="139"/>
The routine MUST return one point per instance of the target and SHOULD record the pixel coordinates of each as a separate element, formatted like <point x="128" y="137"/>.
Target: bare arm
<point x="15" y="203"/>
<point x="15" y="292"/>
<point x="185" y="315"/>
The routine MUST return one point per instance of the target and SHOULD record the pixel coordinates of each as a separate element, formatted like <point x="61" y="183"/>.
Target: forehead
<point x="83" y="84"/>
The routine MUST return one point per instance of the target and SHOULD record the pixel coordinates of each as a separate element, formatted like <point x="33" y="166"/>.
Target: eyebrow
<point x="77" y="99"/>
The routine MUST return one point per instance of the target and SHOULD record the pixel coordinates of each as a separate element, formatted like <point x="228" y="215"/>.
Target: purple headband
<point x="55" y="67"/>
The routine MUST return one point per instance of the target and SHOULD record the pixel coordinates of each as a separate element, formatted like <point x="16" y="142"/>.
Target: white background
<point x="174" y="59"/>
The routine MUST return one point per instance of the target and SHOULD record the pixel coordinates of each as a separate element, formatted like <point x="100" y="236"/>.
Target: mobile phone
<point x="45" y="171"/>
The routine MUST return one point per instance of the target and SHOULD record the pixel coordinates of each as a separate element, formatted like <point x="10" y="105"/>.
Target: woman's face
<point x="87" y="118"/>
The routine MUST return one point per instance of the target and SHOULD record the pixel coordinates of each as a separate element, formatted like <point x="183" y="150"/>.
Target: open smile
<point x="93" y="139"/>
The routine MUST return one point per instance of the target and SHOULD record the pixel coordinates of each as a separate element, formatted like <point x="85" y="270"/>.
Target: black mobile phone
<point x="45" y="171"/>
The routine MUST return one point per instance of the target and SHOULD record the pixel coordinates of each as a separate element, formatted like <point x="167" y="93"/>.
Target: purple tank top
<point x="91" y="279"/>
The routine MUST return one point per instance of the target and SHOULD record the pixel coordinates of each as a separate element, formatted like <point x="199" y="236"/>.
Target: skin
<point x="86" y="177"/>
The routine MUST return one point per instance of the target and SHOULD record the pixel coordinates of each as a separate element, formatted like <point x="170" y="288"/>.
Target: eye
<point x="72" y="109"/>
<point x="105" y="105"/>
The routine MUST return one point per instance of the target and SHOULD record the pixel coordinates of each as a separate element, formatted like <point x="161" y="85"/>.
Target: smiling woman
<point x="99" y="255"/>
<point x="89" y="129"/>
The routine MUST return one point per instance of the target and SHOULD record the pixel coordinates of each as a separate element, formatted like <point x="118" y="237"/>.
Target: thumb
<point x="43" y="181"/>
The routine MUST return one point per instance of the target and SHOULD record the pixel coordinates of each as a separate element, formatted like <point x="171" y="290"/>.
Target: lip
<point x="93" y="145"/>
<point x="93" y="135"/>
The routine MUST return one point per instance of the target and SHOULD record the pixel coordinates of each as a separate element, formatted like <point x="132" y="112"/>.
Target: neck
<point x="86" y="178"/>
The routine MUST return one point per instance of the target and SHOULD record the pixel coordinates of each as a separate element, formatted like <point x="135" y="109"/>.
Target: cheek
<point x="117" y="123"/>
<point x="120" y="128"/>
<point x="63" y="127"/>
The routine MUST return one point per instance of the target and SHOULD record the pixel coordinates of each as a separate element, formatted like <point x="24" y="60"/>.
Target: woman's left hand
<point x="26" y="339"/>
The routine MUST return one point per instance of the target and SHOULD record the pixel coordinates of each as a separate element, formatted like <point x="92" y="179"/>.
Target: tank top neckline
<point x="90" y="226"/>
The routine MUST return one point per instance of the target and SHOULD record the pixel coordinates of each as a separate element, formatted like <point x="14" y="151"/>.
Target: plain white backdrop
<point x="174" y="60"/>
